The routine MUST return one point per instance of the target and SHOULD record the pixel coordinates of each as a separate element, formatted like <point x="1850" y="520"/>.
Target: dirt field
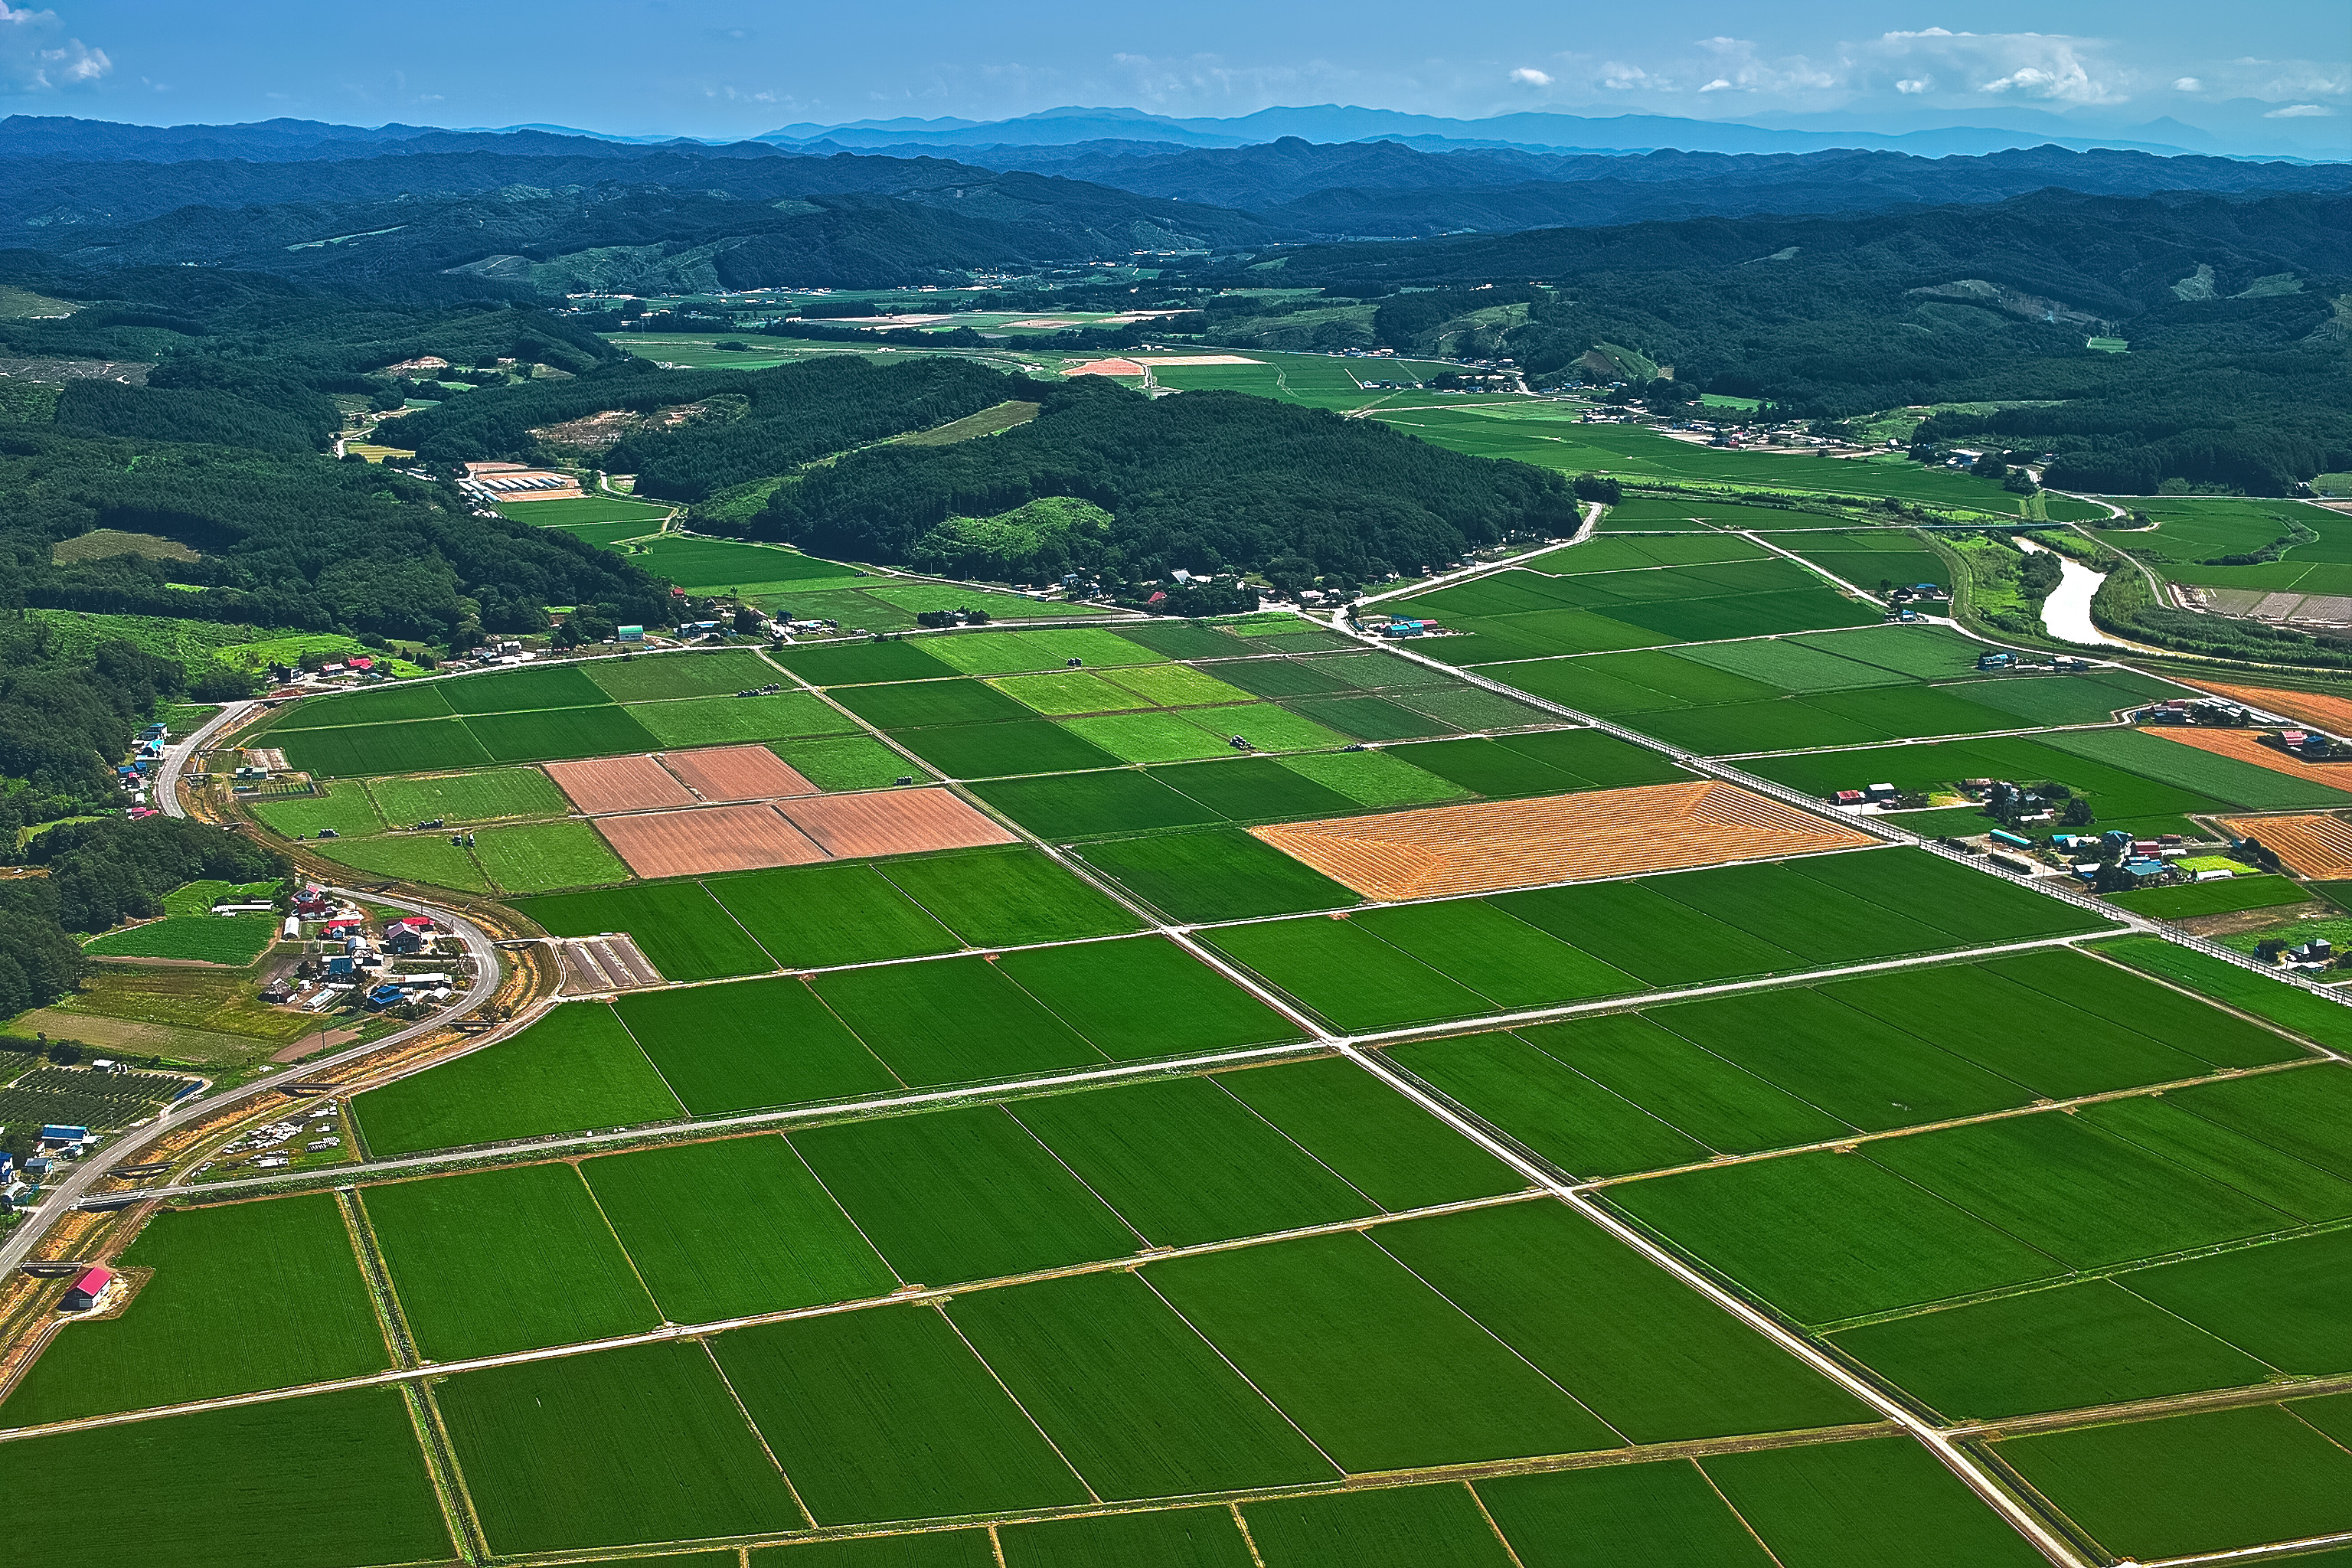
<point x="1105" y="367"/>
<point x="895" y="822"/>
<point x="601" y="964"/>
<point x="706" y="839"/>
<point x="737" y="772"/>
<point x="2317" y="846"/>
<point x="618" y="783"/>
<point x="2333" y="714"/>
<point x="2246" y="746"/>
<point x="1487" y="846"/>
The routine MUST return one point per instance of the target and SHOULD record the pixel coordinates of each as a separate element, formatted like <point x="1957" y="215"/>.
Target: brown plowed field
<point x="708" y="838"/>
<point x="737" y="772"/>
<point x="2246" y="746"/>
<point x="617" y="783"/>
<point x="2333" y="714"/>
<point x="893" y="822"/>
<point x="2317" y="847"/>
<point x="1487" y="846"/>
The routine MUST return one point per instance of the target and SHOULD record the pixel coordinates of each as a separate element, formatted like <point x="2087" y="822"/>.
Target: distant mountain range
<point x="2237" y="127"/>
<point x="565" y="212"/>
<point x="1537" y="131"/>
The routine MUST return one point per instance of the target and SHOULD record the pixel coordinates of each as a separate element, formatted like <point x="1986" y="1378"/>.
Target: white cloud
<point x="1915" y="84"/>
<point x="2299" y="111"/>
<point x="2188" y="84"/>
<point x="1528" y="77"/>
<point x="1719" y="84"/>
<point x="2046" y="66"/>
<point x="33" y="59"/>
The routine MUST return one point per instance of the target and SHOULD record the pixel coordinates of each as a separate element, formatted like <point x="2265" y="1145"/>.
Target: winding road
<point x="124" y="1148"/>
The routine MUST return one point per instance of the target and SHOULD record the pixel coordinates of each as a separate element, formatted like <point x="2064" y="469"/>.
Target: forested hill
<point x="798" y="223"/>
<point x="2236" y="312"/>
<point x="211" y="438"/>
<point x="2108" y="252"/>
<point x="1211" y="481"/>
<point x="751" y="425"/>
<point x="571" y="213"/>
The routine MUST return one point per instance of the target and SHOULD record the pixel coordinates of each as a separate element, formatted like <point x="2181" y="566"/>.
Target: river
<point x="2067" y="613"/>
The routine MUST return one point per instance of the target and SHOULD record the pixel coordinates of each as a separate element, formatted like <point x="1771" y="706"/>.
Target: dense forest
<point x="63" y="720"/>
<point x="98" y="875"/>
<point x="747" y="425"/>
<point x="2234" y="310"/>
<point x="1210" y="481"/>
<point x="220" y="452"/>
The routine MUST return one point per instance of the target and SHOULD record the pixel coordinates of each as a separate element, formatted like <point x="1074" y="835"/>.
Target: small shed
<point x="87" y="1288"/>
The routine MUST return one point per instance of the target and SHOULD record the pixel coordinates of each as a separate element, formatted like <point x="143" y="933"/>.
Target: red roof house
<point x="87" y="1288"/>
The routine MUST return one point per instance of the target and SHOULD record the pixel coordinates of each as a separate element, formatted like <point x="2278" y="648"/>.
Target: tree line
<point x="99" y="875"/>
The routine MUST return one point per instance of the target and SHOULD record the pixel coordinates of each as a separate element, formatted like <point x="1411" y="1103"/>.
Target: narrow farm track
<point x="1321" y="1042"/>
<point x="411" y="1370"/>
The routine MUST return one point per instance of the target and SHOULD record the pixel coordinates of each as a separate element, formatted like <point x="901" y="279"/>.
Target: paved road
<point x="124" y="1148"/>
<point x="166" y="782"/>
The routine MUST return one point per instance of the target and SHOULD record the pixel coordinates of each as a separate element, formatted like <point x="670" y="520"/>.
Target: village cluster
<point x="350" y="955"/>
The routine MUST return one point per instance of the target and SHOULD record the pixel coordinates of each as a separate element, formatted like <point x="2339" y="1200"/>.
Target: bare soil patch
<point x="737" y="772"/>
<point x="618" y="783"/>
<point x="1486" y="847"/>
<point x="893" y="822"/>
<point x="706" y="839"/>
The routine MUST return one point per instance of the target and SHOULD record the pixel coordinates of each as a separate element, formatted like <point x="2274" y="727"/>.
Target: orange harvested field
<point x="2319" y="847"/>
<point x="1490" y="846"/>
<point x="1105" y="367"/>
<point x="893" y="822"/>
<point x="737" y="772"/>
<point x="2333" y="714"/>
<point x="707" y="838"/>
<point x="2246" y="746"/>
<point x="617" y="783"/>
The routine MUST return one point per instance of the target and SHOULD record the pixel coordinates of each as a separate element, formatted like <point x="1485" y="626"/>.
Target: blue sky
<point x="2274" y="69"/>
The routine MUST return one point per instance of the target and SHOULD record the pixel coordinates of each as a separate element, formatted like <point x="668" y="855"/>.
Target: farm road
<point x="954" y="1095"/>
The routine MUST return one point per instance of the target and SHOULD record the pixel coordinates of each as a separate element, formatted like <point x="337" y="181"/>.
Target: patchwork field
<point x="1050" y="1172"/>
<point x="1852" y="688"/>
<point x="1521" y="615"/>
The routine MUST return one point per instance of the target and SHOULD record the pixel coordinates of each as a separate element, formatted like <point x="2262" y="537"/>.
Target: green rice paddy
<point x="1214" y="874"/>
<point x="243" y="1298"/>
<point x="211" y="1475"/>
<point x="230" y="940"/>
<point x="576" y="1067"/>
<point x="546" y="855"/>
<point x="552" y="1232"/>
<point x="626" y="1447"/>
<point x="344" y="807"/>
<point x="464" y="799"/>
<point x="972" y="1306"/>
